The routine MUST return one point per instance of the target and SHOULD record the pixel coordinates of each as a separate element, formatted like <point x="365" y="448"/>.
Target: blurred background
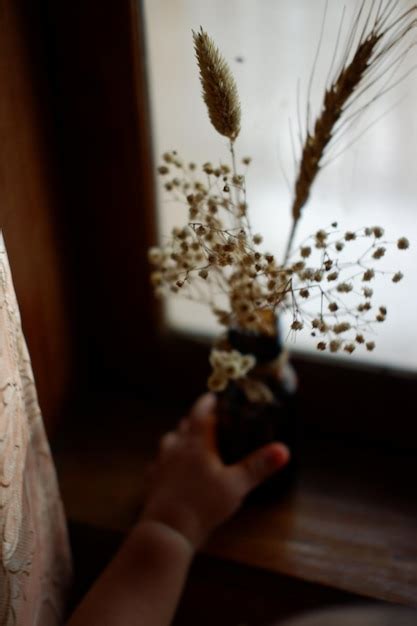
<point x="92" y="93"/>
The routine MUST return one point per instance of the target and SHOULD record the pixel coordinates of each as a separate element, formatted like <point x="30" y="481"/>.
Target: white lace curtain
<point x="35" y="564"/>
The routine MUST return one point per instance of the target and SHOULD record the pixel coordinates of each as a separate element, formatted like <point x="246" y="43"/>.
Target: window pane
<point x="270" y="47"/>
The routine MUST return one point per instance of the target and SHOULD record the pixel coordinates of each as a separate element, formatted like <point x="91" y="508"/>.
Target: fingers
<point x="200" y="423"/>
<point x="261" y="464"/>
<point x="202" y="420"/>
<point x="205" y="405"/>
<point x="168" y="441"/>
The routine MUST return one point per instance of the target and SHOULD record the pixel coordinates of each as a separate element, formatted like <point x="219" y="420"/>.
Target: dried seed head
<point x="368" y="275"/>
<point x="403" y="243"/>
<point x="379" y="253"/>
<point x="219" y="87"/>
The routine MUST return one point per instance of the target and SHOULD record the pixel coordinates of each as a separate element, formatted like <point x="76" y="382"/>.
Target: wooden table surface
<point x="355" y="616"/>
<point x="350" y="523"/>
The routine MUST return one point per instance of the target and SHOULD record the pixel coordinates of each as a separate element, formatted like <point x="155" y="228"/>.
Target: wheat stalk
<point x="386" y="32"/>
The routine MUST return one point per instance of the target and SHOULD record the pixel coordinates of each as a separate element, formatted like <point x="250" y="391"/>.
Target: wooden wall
<point x="76" y="191"/>
<point x="97" y="72"/>
<point x="29" y="206"/>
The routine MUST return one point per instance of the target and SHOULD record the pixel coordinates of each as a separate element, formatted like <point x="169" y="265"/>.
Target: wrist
<point x="166" y="535"/>
<point x="179" y="520"/>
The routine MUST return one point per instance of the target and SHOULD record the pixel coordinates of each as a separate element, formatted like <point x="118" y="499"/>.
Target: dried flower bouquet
<point x="326" y="281"/>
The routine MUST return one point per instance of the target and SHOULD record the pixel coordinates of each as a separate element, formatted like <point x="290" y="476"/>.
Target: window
<point x="270" y="47"/>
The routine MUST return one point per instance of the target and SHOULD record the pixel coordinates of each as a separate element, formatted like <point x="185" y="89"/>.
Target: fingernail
<point x="278" y="455"/>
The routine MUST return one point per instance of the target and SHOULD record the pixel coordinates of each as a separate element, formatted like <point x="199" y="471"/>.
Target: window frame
<point x="127" y="344"/>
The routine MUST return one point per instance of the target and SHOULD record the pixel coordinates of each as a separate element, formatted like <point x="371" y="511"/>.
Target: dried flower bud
<point x="217" y="383"/>
<point x="341" y="328"/>
<point x="332" y="276"/>
<point x="379" y="253"/>
<point x="335" y="345"/>
<point x="344" y="287"/>
<point x="156" y="279"/>
<point x="321" y="236"/>
<point x="155" y="255"/>
<point x="349" y="236"/>
<point x="368" y="275"/>
<point x="403" y="243"/>
<point x="208" y="168"/>
<point x="299" y="266"/>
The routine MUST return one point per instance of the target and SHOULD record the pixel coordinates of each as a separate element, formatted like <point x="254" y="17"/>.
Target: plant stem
<point x="236" y="191"/>
<point x="290" y="240"/>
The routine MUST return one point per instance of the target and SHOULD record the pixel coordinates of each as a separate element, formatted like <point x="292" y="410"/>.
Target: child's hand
<point x="192" y="490"/>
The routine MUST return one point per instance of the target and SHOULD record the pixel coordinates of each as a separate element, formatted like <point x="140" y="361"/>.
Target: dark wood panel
<point x="29" y="204"/>
<point x="98" y="77"/>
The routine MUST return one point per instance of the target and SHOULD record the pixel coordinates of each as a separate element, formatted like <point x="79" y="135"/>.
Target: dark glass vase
<point x="247" y="423"/>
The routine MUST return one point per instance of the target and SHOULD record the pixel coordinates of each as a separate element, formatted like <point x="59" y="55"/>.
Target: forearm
<point x="142" y="585"/>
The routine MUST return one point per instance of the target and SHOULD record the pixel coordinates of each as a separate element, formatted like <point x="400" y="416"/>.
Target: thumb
<point x="261" y="464"/>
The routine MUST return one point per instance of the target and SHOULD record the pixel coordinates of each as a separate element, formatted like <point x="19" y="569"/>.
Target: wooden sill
<point x="349" y="523"/>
